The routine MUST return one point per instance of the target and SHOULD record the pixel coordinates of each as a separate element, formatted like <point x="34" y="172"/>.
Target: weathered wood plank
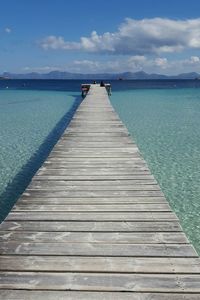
<point x="104" y="157"/>
<point x="150" y="265"/>
<point x="97" y="249"/>
<point x="92" y="226"/>
<point x="101" y="183"/>
<point x="88" y="207"/>
<point x="91" y="216"/>
<point x="68" y="134"/>
<point x="63" y="187"/>
<point x="101" y="282"/>
<point x="90" y="165"/>
<point x="96" y="123"/>
<point x="63" y="145"/>
<point x="112" y="159"/>
<point x="90" y="194"/>
<point x="120" y="151"/>
<point x="72" y="295"/>
<point x="89" y="160"/>
<point x="113" y="170"/>
<point x="25" y="199"/>
<point x="97" y="130"/>
<point x="92" y="178"/>
<point x="95" y="237"/>
<point x="96" y="169"/>
<point x="94" y="144"/>
<point x="124" y="153"/>
<point x="84" y="172"/>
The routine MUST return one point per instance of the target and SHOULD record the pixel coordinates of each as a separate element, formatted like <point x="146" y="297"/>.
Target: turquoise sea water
<point x="165" y="123"/>
<point x="30" y="123"/>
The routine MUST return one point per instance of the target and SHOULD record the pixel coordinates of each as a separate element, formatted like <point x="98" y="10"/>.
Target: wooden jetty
<point x="94" y="224"/>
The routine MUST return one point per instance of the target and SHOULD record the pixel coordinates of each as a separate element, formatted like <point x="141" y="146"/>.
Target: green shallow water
<point x="27" y="133"/>
<point x="165" y="123"/>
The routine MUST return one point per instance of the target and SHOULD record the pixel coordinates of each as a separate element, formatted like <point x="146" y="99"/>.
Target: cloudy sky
<point x="93" y="36"/>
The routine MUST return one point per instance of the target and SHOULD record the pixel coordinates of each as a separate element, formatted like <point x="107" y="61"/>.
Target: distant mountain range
<point x="123" y="76"/>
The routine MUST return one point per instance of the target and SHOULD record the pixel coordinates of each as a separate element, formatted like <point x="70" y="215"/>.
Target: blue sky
<point x="100" y="36"/>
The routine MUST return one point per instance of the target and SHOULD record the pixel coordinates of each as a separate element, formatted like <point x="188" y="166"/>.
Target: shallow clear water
<point x="165" y="123"/>
<point x="30" y="123"/>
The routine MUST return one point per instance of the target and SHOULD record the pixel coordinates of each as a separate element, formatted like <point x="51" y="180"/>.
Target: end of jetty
<point x="85" y="88"/>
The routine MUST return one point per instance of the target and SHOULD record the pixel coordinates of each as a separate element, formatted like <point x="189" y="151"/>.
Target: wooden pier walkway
<point x="94" y="224"/>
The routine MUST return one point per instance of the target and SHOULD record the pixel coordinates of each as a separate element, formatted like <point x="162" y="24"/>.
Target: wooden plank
<point x="97" y="249"/>
<point x="99" y="122"/>
<point x="93" y="178"/>
<point x="92" y="226"/>
<point x="83" y="164"/>
<point x="64" y="154"/>
<point x="26" y="199"/>
<point x="93" y="164"/>
<point x="84" y="295"/>
<point x="97" y="130"/>
<point x="97" y="160"/>
<point x="77" y="194"/>
<point x="133" y="152"/>
<point x="97" y="173"/>
<point x="88" y="207"/>
<point x="102" y="162"/>
<point x="97" y="139"/>
<point x="107" y="150"/>
<point x="87" y="161"/>
<point x="151" y="265"/>
<point x="96" y="237"/>
<point x="68" y="134"/>
<point x="94" y="144"/>
<point x="101" y="282"/>
<point x="55" y="187"/>
<point x="90" y="216"/>
<point x="129" y="159"/>
<point x="101" y="183"/>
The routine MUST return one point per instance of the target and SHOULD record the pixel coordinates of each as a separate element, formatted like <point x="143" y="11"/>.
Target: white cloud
<point x="53" y="42"/>
<point x="44" y="69"/>
<point x="161" y="62"/>
<point x="123" y="64"/>
<point x="7" y="30"/>
<point x="136" y="37"/>
<point x="84" y="66"/>
<point x="194" y="59"/>
<point x="137" y="63"/>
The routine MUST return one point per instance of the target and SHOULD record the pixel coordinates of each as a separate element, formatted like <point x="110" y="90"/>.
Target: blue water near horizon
<point x="163" y="116"/>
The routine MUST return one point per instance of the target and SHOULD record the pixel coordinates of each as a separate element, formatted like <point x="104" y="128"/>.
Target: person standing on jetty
<point x="102" y="83"/>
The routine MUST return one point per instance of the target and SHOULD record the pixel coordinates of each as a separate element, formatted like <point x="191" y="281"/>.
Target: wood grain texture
<point x="98" y="295"/>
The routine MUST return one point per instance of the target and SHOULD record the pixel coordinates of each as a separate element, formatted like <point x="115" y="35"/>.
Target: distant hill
<point x="124" y="76"/>
<point x="192" y="75"/>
